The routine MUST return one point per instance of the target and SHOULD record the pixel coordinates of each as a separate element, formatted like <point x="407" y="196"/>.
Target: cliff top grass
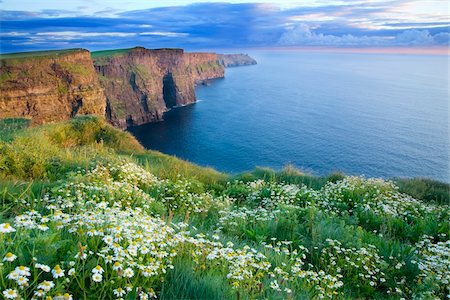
<point x="112" y="52"/>
<point x="33" y="54"/>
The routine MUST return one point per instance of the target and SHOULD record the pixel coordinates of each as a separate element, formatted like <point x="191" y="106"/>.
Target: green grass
<point x="9" y="128"/>
<point x="425" y="189"/>
<point x="50" y="151"/>
<point x="112" y="52"/>
<point x="33" y="54"/>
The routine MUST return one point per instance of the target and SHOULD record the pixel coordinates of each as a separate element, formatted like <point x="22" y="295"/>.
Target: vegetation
<point x="34" y="54"/>
<point x="87" y="213"/>
<point x="101" y="53"/>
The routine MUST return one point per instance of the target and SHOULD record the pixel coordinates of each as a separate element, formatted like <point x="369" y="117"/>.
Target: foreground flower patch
<point x="115" y="231"/>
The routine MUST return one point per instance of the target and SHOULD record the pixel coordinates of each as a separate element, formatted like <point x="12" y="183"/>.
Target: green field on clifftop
<point x="87" y="213"/>
<point x="33" y="54"/>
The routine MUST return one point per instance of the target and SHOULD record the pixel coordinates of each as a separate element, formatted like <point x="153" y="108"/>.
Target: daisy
<point x="46" y="285"/>
<point x="22" y="281"/>
<point x="23" y="271"/>
<point x="44" y="268"/>
<point x="9" y="257"/>
<point x="98" y="270"/>
<point x="97" y="277"/>
<point x="57" y="272"/>
<point x="10" y="294"/>
<point x="39" y="293"/>
<point x="119" y="292"/>
<point x="6" y="228"/>
<point x="128" y="272"/>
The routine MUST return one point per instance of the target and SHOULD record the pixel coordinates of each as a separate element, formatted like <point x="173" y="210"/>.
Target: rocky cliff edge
<point x="128" y="86"/>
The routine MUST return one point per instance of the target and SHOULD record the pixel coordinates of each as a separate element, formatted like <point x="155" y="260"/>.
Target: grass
<point x="425" y="189"/>
<point x="9" y="128"/>
<point x="67" y="187"/>
<point x="112" y="52"/>
<point x="33" y="54"/>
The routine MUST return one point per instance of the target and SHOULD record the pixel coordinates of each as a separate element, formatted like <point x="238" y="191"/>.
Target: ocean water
<point x="378" y="115"/>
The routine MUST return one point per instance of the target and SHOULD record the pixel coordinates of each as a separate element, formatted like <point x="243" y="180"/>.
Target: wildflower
<point x="97" y="270"/>
<point x="119" y="292"/>
<point x="46" y="285"/>
<point x="108" y="239"/>
<point x="57" y="272"/>
<point x="9" y="257"/>
<point x="67" y="296"/>
<point x="10" y="294"/>
<point x="22" y="281"/>
<point x="128" y="272"/>
<point x="274" y="285"/>
<point x="97" y="277"/>
<point x="71" y="272"/>
<point x="22" y="271"/>
<point x="6" y="228"/>
<point x="42" y="227"/>
<point x="39" y="293"/>
<point x="12" y="275"/>
<point x="117" y="266"/>
<point x="109" y="259"/>
<point x="44" y="268"/>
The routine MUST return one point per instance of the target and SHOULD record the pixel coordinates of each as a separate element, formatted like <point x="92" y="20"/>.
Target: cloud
<point x="13" y="34"/>
<point x="164" y="33"/>
<point x="420" y="38"/>
<point x="72" y="35"/>
<point x="302" y="34"/>
<point x="221" y="25"/>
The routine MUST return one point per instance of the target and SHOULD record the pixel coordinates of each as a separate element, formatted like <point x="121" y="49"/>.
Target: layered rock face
<point x="141" y="84"/>
<point x="50" y="86"/>
<point x="129" y="86"/>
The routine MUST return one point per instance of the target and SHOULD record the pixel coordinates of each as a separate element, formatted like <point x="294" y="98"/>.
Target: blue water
<point x="364" y="114"/>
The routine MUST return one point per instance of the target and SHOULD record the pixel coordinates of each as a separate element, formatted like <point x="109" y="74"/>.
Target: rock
<point x="128" y="86"/>
<point x="235" y="60"/>
<point x="141" y="84"/>
<point x="50" y="86"/>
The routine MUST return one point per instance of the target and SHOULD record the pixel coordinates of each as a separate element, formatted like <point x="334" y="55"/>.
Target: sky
<point x="27" y="25"/>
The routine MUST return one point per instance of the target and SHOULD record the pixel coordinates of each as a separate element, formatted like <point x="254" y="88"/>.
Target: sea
<point x="375" y="115"/>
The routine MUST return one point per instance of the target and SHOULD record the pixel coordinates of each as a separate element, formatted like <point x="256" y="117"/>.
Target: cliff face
<point x="141" y="84"/>
<point x="51" y="86"/>
<point x="235" y="60"/>
<point x="129" y="86"/>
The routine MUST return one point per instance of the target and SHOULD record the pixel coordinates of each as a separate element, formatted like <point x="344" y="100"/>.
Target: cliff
<point x="235" y="60"/>
<point x="128" y="86"/>
<point x="141" y="84"/>
<point x="49" y="86"/>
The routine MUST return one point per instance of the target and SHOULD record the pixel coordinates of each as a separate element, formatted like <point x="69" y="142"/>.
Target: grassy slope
<point x="34" y="160"/>
<point x="47" y="153"/>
